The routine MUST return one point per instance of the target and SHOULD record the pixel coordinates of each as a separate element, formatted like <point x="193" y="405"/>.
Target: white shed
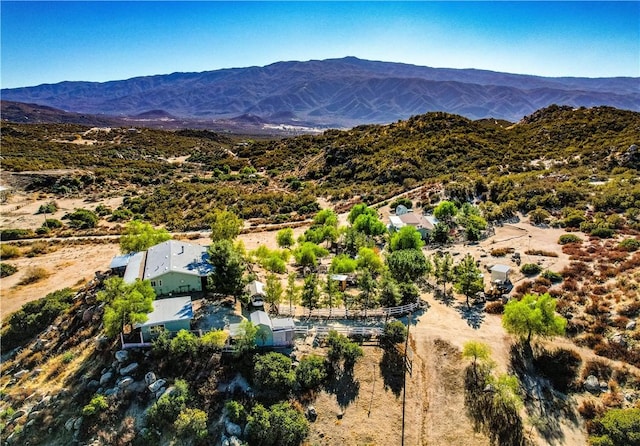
<point x="500" y="273"/>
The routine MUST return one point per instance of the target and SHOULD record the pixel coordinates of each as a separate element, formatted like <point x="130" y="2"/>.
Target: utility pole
<point x="406" y="367"/>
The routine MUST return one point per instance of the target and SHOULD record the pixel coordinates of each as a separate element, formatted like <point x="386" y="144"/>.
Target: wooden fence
<point x="342" y="313"/>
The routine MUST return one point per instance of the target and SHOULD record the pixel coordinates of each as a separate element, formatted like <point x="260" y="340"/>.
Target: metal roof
<point x="177" y="256"/>
<point x="255" y="287"/>
<point x="168" y="310"/>
<point x="282" y="323"/>
<point x="261" y="318"/>
<point x="134" y="267"/>
<point x="500" y="268"/>
<point x="121" y="261"/>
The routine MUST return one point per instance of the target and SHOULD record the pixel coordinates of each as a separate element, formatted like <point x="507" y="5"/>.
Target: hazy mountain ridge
<point x="335" y="92"/>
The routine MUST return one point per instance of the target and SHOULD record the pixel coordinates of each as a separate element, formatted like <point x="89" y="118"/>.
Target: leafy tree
<point x="326" y="217"/>
<point x="409" y="292"/>
<point x="443" y="269"/>
<point x="468" y="277"/>
<point x="407" y="265"/>
<point x="273" y="372"/>
<point x="395" y="332"/>
<point x="440" y="233"/>
<point x="184" y="345"/>
<point x="406" y="202"/>
<point x="292" y="292"/>
<point x="246" y="340"/>
<point x="343" y="264"/>
<point x="311" y="372"/>
<point x="369" y="224"/>
<point x="389" y="294"/>
<point x="235" y="411"/>
<point x="445" y="211"/>
<point x="284" y="238"/>
<point x="618" y="427"/>
<point x="214" y="339"/>
<point x="140" y="236"/>
<point x="477" y="352"/>
<point x="360" y="209"/>
<point x="307" y="254"/>
<point x="273" y="290"/>
<point x="331" y="293"/>
<point x="539" y="216"/>
<point x="191" y="423"/>
<point x="533" y="315"/>
<point x="370" y="260"/>
<point x="228" y="268"/>
<point x="281" y="425"/>
<point x="474" y="225"/>
<point x="407" y="237"/>
<point x="310" y="292"/>
<point x="342" y="349"/>
<point x="368" y="287"/>
<point x="126" y="304"/>
<point x="165" y="411"/>
<point x="354" y="240"/>
<point x="225" y="225"/>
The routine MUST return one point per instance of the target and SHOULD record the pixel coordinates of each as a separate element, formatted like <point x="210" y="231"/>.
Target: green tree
<point x="533" y="315"/>
<point x="82" y="219"/>
<point x="360" y="209"/>
<point x="284" y="238"/>
<point x="618" y="427"/>
<point x="478" y="352"/>
<point x="343" y="264"/>
<point x="165" y="411"/>
<point x="214" y="340"/>
<point x="370" y="260"/>
<point x="407" y="265"/>
<point x="440" y="233"/>
<point x="184" y="345"/>
<point x="140" y="236"/>
<point x="368" y="287"/>
<point x="281" y="425"/>
<point x="225" y="225"/>
<point x="273" y="291"/>
<point x="292" y="292"/>
<point x="307" y="254"/>
<point x="326" y="217"/>
<point x="273" y="372"/>
<point x="191" y="423"/>
<point x="310" y="292"/>
<point x="228" y="268"/>
<point x="443" y="269"/>
<point x="445" y="211"/>
<point x="369" y="224"/>
<point x="395" y="332"/>
<point x="311" y="372"/>
<point x="126" y="305"/>
<point x="389" y="294"/>
<point x="331" y="293"/>
<point x="246" y="340"/>
<point x="407" y="237"/>
<point x="468" y="277"/>
<point x="341" y="349"/>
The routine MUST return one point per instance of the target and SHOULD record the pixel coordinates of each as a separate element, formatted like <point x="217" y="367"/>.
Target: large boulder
<point x="155" y="386"/>
<point x="150" y="378"/>
<point x="105" y="378"/>
<point x="122" y="355"/>
<point x="69" y="424"/>
<point x="129" y="370"/>
<point x="618" y="339"/>
<point x="591" y="384"/>
<point x="311" y="413"/>
<point x="125" y="382"/>
<point x="232" y="429"/>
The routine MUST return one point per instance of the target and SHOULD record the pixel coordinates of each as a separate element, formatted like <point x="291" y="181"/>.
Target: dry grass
<point x="33" y="274"/>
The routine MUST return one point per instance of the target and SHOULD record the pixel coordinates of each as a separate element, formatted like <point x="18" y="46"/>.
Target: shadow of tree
<point x="391" y="368"/>
<point x="473" y="315"/>
<point x="445" y="298"/>
<point x="344" y="386"/>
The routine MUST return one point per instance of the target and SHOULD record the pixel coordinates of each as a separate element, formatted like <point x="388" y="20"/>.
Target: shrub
<point x="540" y="252"/>
<point x="618" y="427"/>
<point x="82" y="219"/>
<point x="184" y="344"/>
<point x="394" y="332"/>
<point x="52" y="223"/>
<point x="43" y="230"/>
<point x="496" y="307"/>
<point x="235" y="412"/>
<point x="165" y="411"/>
<point x="501" y="252"/>
<point x="311" y="372"/>
<point x="530" y="269"/>
<point x="602" y="232"/>
<point x="214" y="339"/>
<point x="33" y="275"/>
<point x="569" y="238"/>
<point x="37" y="249"/>
<point x="97" y="404"/>
<point x="191" y="423"/>
<point x="341" y="348"/>
<point x="273" y="372"/>
<point x="48" y="208"/>
<point x="6" y="270"/>
<point x="629" y="244"/>
<point x="590" y="409"/>
<point x="552" y="276"/>
<point x="280" y="425"/>
<point x="9" y="251"/>
<point x="15" y="234"/>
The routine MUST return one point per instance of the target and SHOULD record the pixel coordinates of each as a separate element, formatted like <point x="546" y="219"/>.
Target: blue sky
<point x="48" y="42"/>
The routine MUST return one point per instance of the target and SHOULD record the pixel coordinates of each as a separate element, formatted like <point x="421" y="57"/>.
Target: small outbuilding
<point x="277" y="332"/>
<point x="500" y="273"/>
<point x="256" y="292"/>
<point x="341" y="279"/>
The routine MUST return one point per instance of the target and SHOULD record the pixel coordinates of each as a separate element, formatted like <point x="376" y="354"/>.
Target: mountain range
<point x="329" y="93"/>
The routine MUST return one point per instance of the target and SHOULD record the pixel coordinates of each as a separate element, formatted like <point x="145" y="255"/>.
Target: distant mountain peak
<point x="335" y="92"/>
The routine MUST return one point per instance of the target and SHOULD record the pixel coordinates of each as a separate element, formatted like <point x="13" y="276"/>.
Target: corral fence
<point x="341" y="313"/>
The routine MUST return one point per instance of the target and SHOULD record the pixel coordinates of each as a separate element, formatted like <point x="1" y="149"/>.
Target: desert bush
<point x="82" y="219"/>
<point x="273" y="372"/>
<point x="165" y="411"/>
<point x="530" y="269"/>
<point x="97" y="404"/>
<point x="631" y="309"/>
<point x="37" y="249"/>
<point x="33" y="275"/>
<point x="235" y="412"/>
<point x="540" y="252"/>
<point x="395" y="332"/>
<point x="214" y="340"/>
<point x="52" y="223"/>
<point x="602" y="232"/>
<point x="590" y="409"/>
<point x="9" y="251"/>
<point x="6" y="269"/>
<point x="501" y="252"/>
<point x="496" y="307"/>
<point x="629" y="244"/>
<point x="49" y="208"/>
<point x="15" y="234"/>
<point x="191" y="423"/>
<point x="311" y="372"/>
<point x="552" y="276"/>
<point x="565" y="239"/>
